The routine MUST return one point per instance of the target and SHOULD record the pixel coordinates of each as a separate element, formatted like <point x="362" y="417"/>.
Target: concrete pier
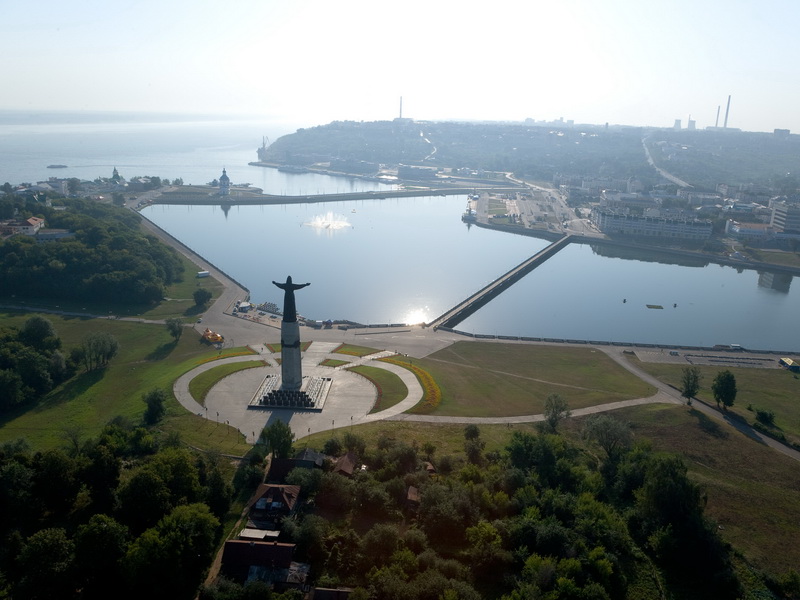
<point x="461" y="311"/>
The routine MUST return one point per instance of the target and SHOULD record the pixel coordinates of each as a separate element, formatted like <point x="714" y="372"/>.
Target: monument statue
<point x="291" y="368"/>
<point x="289" y="306"/>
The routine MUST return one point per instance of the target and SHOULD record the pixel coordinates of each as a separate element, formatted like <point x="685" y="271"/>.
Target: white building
<point x="615" y="223"/>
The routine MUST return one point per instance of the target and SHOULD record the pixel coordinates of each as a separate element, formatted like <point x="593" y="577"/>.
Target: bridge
<point x="203" y="198"/>
<point x="461" y="311"/>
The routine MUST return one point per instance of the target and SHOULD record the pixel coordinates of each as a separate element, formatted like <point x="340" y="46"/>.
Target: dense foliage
<point x="108" y="259"/>
<point x="113" y="516"/>
<point x="31" y="363"/>
<point x="543" y="519"/>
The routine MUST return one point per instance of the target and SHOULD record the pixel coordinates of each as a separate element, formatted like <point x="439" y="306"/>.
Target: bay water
<point x="399" y="260"/>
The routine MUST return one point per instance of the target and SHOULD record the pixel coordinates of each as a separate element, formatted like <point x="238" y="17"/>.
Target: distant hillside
<point x="703" y="158"/>
<point x="533" y="151"/>
<point x="708" y="158"/>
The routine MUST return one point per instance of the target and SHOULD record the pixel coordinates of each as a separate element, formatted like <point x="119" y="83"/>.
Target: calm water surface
<point x="395" y="260"/>
<point x="580" y="294"/>
<point x="389" y="261"/>
<point x="409" y="260"/>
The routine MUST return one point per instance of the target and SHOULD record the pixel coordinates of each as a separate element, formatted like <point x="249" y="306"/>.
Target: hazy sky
<point x="308" y="62"/>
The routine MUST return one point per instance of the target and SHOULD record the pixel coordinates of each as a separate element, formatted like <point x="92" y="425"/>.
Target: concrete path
<point x="349" y="402"/>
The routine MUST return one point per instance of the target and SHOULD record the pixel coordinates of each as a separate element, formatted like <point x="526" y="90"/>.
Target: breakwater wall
<point x="461" y="311"/>
<point x="514" y="338"/>
<point x="188" y="252"/>
<point x="267" y="199"/>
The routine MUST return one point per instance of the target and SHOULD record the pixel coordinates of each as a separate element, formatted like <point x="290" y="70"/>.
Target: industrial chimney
<point x="727" y="110"/>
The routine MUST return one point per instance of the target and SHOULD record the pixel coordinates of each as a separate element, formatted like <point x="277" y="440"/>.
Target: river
<point x="396" y="261"/>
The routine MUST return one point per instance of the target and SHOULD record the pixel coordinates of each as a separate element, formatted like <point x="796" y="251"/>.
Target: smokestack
<point x="716" y="123"/>
<point x="727" y="110"/>
<point x="401" y="107"/>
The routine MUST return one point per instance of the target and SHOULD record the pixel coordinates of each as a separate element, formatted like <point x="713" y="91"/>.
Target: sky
<point x="310" y="62"/>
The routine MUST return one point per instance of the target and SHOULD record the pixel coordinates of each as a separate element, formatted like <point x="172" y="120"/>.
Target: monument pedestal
<point x="291" y="369"/>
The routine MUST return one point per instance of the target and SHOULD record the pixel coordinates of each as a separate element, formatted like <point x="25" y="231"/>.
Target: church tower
<point x="224" y="184"/>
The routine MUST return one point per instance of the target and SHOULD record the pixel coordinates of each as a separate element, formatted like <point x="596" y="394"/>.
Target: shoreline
<point x="237" y="291"/>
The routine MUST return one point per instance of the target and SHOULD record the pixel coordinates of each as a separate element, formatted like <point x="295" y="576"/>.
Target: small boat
<point x="56" y="166"/>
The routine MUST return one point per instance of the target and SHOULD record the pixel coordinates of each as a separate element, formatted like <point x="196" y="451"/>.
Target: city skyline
<point x="311" y="62"/>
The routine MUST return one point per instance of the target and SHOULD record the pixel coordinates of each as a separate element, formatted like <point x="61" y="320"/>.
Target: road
<point x="662" y="172"/>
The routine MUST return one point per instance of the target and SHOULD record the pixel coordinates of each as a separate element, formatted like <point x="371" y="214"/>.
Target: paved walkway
<point x="349" y="401"/>
<point x="352" y="397"/>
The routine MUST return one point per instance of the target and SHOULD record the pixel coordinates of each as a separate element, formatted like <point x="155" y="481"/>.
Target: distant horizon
<point x="312" y="62"/>
<point x="175" y="116"/>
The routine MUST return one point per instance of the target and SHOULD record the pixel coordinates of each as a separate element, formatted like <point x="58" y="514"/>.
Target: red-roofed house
<point x="273" y="501"/>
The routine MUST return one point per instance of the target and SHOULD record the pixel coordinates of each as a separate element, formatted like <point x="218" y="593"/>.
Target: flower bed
<point x="228" y="355"/>
<point x="431" y="393"/>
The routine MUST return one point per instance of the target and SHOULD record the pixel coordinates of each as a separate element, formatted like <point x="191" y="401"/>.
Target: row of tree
<point x="723" y="387"/>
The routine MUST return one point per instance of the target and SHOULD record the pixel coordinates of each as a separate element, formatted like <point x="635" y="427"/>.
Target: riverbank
<point x="699" y="257"/>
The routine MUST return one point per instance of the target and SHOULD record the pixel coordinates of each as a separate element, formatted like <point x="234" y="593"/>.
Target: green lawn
<point x="391" y="388"/>
<point x="332" y="362"/>
<point x="486" y="379"/>
<point x="776" y="390"/>
<point x="149" y="358"/>
<point x="200" y="386"/>
<point x="354" y="350"/>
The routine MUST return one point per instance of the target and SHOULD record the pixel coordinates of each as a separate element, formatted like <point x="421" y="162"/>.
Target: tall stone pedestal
<point x="291" y="369"/>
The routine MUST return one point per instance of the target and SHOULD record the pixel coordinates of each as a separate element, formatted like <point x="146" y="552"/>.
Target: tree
<point x="690" y="383"/>
<point x="472" y="432"/>
<point x="39" y="333"/>
<point x="279" y="437"/>
<point x="97" y="349"/>
<point x="100" y="547"/>
<point x="555" y="409"/>
<point x="144" y="499"/>
<point x="201" y="296"/>
<point x="218" y="493"/>
<point x="724" y="388"/>
<point x="473" y="448"/>
<point x="46" y="565"/>
<point x="611" y="434"/>
<point x="332" y="447"/>
<point x="168" y="560"/>
<point x="175" y="327"/>
<point x="155" y="405"/>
